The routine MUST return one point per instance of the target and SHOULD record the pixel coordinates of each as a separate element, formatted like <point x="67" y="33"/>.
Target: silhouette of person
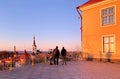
<point x="63" y="53"/>
<point x="51" y="57"/>
<point x="100" y="56"/>
<point x="56" y="55"/>
<point x="108" y="56"/>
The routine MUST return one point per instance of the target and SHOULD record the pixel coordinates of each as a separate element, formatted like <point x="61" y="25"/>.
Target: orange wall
<point x="93" y="31"/>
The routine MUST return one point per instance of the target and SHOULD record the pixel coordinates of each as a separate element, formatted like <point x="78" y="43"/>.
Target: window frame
<point x="114" y="16"/>
<point x="108" y="43"/>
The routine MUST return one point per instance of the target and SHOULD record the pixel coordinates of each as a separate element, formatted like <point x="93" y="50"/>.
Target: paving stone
<point x="73" y="70"/>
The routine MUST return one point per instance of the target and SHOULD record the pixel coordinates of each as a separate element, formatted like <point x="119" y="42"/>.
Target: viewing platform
<point x="73" y="70"/>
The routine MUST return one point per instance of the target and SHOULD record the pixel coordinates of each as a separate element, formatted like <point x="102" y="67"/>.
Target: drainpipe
<point x="80" y="17"/>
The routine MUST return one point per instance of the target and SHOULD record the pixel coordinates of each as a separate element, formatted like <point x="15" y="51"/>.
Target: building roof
<point x="24" y="55"/>
<point x="90" y="2"/>
<point x="15" y="53"/>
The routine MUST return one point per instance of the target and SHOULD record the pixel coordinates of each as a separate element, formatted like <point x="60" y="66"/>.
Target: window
<point x="108" y="44"/>
<point x="108" y="16"/>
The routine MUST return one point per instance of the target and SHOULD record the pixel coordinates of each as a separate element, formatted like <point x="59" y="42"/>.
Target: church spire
<point x="34" y="46"/>
<point x="15" y="52"/>
<point x="34" y="41"/>
<point x="14" y="48"/>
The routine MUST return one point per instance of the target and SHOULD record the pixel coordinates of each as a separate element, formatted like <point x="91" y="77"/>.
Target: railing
<point x="11" y="63"/>
<point x="43" y="58"/>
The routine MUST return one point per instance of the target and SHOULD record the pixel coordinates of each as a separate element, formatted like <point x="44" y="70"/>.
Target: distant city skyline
<point x="53" y="23"/>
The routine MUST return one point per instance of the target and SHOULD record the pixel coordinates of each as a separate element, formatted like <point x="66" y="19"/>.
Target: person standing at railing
<point x="63" y="53"/>
<point x="52" y="54"/>
<point x="57" y="54"/>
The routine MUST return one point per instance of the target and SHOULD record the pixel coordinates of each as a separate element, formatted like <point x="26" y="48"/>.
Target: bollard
<point x="11" y="65"/>
<point x="32" y="62"/>
<point x="45" y="59"/>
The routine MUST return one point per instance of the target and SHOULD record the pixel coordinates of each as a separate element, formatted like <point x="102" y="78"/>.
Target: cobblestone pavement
<point x="73" y="70"/>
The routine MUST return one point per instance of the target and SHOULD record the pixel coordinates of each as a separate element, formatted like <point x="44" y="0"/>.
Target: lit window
<point x="108" y="44"/>
<point x="108" y="16"/>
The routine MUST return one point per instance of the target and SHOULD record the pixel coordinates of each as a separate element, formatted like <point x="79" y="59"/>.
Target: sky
<point x="52" y="22"/>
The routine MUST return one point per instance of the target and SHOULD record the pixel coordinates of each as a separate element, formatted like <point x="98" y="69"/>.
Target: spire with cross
<point x="34" y="46"/>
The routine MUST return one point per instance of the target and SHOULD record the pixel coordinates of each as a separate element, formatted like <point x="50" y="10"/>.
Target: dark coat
<point x="57" y="54"/>
<point x="63" y="52"/>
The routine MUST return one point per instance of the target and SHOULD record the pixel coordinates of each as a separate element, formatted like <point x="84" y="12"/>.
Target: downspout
<point x="80" y="17"/>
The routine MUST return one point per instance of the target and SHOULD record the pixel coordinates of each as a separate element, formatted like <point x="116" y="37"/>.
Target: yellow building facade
<point x="101" y="28"/>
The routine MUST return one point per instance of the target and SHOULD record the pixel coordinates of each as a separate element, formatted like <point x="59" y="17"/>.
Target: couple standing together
<point x="56" y="55"/>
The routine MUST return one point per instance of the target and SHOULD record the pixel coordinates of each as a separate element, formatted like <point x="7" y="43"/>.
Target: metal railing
<point x="44" y="58"/>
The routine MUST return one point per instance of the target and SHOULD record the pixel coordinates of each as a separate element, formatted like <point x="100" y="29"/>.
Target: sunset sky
<point x="52" y="22"/>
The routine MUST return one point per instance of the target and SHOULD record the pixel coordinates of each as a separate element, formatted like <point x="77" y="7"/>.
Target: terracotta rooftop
<point x="90" y="2"/>
<point x="24" y="55"/>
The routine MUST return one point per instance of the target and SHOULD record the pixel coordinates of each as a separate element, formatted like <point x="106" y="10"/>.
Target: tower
<point x="34" y="46"/>
<point x="15" y="52"/>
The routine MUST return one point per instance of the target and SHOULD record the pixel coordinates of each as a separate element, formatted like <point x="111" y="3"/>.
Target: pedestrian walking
<point x="63" y="53"/>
